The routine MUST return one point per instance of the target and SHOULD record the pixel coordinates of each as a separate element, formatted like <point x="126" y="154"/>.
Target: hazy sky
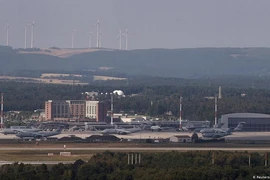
<point x="151" y="23"/>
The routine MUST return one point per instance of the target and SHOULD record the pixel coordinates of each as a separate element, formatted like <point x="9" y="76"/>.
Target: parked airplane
<point x="120" y="131"/>
<point x="41" y="134"/>
<point x="220" y="132"/>
<point x="16" y="129"/>
<point x="153" y="128"/>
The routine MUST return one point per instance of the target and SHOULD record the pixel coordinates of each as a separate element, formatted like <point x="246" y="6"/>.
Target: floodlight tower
<point x="2" y="110"/>
<point x="32" y="33"/>
<point x="111" y="108"/>
<point x="216" y="104"/>
<point x="180" y="118"/>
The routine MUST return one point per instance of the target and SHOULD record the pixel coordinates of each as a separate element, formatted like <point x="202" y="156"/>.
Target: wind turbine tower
<point x="90" y="40"/>
<point x="120" y="39"/>
<point x="25" y="36"/>
<point x="100" y="38"/>
<point x="7" y="27"/>
<point x="98" y="33"/>
<point x="32" y="33"/>
<point x="126" y="35"/>
<point x="72" y="39"/>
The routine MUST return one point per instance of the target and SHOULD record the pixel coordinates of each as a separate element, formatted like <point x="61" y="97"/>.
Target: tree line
<point x="154" y="101"/>
<point x="170" y="165"/>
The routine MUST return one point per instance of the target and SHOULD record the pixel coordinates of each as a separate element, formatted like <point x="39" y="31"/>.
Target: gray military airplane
<point x="220" y="132"/>
<point x="16" y="129"/>
<point x="120" y="131"/>
<point x="37" y="135"/>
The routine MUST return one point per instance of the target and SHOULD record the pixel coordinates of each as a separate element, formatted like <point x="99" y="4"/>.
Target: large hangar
<point x="254" y="121"/>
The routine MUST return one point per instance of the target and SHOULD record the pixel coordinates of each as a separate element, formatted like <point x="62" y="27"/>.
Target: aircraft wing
<point x="121" y="131"/>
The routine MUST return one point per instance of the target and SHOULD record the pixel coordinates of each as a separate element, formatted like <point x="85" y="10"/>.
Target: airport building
<point x="66" y="110"/>
<point x="254" y="121"/>
<point x="76" y="108"/>
<point x="96" y="110"/>
<point x="56" y="109"/>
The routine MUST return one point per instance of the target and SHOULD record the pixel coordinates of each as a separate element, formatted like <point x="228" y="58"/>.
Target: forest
<point x="154" y="101"/>
<point x="201" y="165"/>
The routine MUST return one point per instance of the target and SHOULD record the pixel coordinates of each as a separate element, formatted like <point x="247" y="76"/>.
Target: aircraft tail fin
<point x="220" y="125"/>
<point x="240" y="126"/>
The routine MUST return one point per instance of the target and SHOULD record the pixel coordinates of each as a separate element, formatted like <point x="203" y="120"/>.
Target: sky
<point x="150" y="23"/>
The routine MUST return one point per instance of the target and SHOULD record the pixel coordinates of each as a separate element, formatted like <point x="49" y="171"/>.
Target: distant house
<point x="180" y="139"/>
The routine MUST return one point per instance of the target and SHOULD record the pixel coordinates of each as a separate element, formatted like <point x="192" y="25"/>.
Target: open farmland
<point x="41" y="80"/>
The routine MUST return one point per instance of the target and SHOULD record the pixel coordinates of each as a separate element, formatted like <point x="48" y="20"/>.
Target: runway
<point x="138" y="149"/>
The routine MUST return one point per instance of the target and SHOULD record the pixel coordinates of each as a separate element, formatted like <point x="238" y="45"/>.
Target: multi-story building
<point x="96" y="110"/>
<point x="77" y="108"/>
<point x="56" y="109"/>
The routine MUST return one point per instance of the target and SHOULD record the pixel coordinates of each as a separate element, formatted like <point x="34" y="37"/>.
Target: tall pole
<point x="90" y="40"/>
<point x="98" y="33"/>
<point x="216" y="110"/>
<point x="7" y="43"/>
<point x="2" y="110"/>
<point x="111" y="108"/>
<point x="25" y="36"/>
<point x="180" y="118"/>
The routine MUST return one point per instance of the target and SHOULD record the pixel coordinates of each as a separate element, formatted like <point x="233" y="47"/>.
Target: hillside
<point x="181" y="63"/>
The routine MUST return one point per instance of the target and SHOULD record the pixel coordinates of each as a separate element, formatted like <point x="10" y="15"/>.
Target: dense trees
<point x="169" y="165"/>
<point x="149" y="100"/>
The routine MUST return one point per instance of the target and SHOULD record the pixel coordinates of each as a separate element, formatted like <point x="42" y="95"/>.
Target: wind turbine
<point x="32" y="33"/>
<point x="126" y="35"/>
<point x="98" y="33"/>
<point x="72" y="38"/>
<point x="90" y="40"/>
<point x="25" y="36"/>
<point x="120" y="39"/>
<point x="7" y="27"/>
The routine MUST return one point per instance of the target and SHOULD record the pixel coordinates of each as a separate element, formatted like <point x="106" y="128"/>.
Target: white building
<point x="91" y="109"/>
<point x="180" y="139"/>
